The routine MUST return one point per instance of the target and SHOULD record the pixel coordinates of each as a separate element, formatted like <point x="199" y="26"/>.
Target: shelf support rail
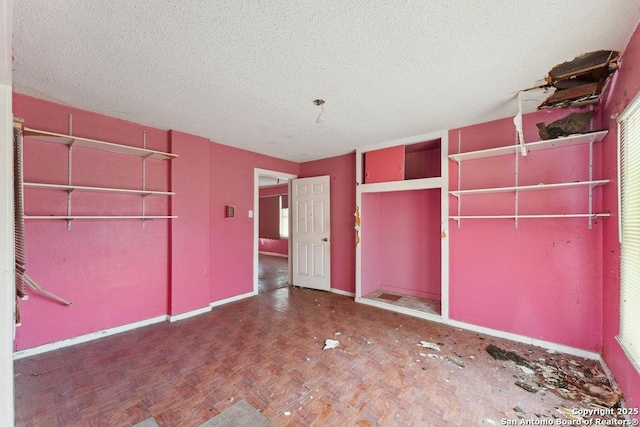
<point x="591" y="172"/>
<point x="144" y="177"/>
<point x="70" y="170"/>
<point x="516" y="182"/>
<point x="459" y="175"/>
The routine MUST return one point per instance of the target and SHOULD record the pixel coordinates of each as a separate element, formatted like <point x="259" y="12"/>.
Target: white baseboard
<point x="188" y="314"/>
<point x="232" y="299"/>
<point x="273" y="254"/>
<point x="341" y="292"/>
<point x="88" y="337"/>
<point x="587" y="354"/>
<point x="484" y="330"/>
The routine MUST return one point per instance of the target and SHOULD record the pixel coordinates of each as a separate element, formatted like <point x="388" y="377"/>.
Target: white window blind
<point x="629" y="200"/>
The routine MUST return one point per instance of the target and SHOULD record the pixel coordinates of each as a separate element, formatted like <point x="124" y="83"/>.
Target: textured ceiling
<point x="245" y="73"/>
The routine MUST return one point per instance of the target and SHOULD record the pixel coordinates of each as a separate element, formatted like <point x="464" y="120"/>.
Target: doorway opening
<point x="272" y="246"/>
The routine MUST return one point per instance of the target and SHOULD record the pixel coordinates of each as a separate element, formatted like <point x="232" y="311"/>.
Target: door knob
<point x="326" y="239"/>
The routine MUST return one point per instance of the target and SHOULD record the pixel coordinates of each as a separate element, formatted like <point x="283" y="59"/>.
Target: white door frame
<point x="7" y="263"/>
<point x="256" y="203"/>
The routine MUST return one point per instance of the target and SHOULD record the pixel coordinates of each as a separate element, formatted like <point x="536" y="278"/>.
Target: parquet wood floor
<point x="268" y="351"/>
<point x="273" y="272"/>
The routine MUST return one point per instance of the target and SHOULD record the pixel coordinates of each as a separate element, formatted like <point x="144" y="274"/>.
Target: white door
<point x="311" y="236"/>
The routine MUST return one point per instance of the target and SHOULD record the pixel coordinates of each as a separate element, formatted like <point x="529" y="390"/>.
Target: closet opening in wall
<point x="272" y="268"/>
<point x="401" y="249"/>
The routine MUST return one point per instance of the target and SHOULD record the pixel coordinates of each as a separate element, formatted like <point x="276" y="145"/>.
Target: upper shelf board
<point x="95" y="144"/>
<point x="97" y="189"/>
<point x="531" y="187"/>
<point x="583" y="138"/>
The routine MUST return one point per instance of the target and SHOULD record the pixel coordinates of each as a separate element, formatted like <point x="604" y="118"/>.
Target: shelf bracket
<point x="144" y="177"/>
<point x="591" y="173"/>
<point x="459" y="177"/>
<point x="591" y="186"/>
<point x="516" y="184"/>
<point x="69" y="181"/>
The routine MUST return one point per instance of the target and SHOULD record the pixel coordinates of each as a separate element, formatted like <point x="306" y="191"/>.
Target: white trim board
<point x="341" y="292"/>
<point x="88" y="337"/>
<point x="7" y="264"/>
<point x="484" y="330"/>
<point x="232" y="299"/>
<point x="587" y="354"/>
<point x="124" y="328"/>
<point x="188" y="314"/>
<point x="273" y="254"/>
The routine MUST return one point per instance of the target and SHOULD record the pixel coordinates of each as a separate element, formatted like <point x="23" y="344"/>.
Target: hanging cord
<point x="320" y="103"/>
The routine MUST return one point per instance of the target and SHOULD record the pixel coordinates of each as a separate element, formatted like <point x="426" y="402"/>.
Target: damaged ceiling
<point x="246" y="73"/>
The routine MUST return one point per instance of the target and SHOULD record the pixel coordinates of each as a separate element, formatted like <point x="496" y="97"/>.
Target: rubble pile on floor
<point x="585" y="385"/>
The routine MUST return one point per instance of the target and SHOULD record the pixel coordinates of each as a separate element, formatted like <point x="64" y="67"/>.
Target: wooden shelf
<point x="58" y="138"/>
<point x="95" y="189"/>
<point x="566" y="141"/>
<point x="65" y="217"/>
<point x="412" y="184"/>
<point x="590" y="184"/>
<point x="598" y="215"/>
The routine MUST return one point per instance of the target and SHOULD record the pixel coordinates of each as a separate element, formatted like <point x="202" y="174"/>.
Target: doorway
<point x="271" y="243"/>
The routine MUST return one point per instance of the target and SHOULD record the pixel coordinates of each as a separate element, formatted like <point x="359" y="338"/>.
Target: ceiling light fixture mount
<point x="319" y="103"/>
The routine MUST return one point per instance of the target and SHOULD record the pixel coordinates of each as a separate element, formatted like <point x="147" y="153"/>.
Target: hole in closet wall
<point x="401" y="249"/>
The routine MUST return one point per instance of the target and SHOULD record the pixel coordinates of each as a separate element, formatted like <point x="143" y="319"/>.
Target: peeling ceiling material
<point x="580" y="82"/>
<point x="571" y="124"/>
<point x="244" y="73"/>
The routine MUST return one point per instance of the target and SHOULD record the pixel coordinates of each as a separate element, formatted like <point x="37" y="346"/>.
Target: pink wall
<point x="275" y="190"/>
<point x="543" y="279"/>
<point x="274" y="246"/>
<point x="625" y="86"/>
<point x="231" y="239"/>
<point x="269" y="217"/>
<point x="370" y="242"/>
<point x="422" y="164"/>
<point x="342" y="170"/>
<point x="114" y="271"/>
<point x="399" y="261"/>
<point x="410" y="264"/>
<point x="190" y="238"/>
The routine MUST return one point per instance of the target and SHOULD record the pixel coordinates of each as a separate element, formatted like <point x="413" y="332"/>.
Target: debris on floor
<point x="584" y="384"/>
<point x="329" y="344"/>
<point x="526" y="370"/>
<point x="455" y="361"/>
<point x="579" y="82"/>
<point x="525" y="386"/>
<point x="500" y="354"/>
<point x="519" y="412"/>
<point x="427" y="344"/>
<point x="571" y="124"/>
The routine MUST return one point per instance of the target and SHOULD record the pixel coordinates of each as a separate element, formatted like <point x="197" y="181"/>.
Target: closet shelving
<point x="578" y="139"/>
<point x="585" y="138"/>
<point x="403" y="182"/>
<point x="73" y="141"/>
